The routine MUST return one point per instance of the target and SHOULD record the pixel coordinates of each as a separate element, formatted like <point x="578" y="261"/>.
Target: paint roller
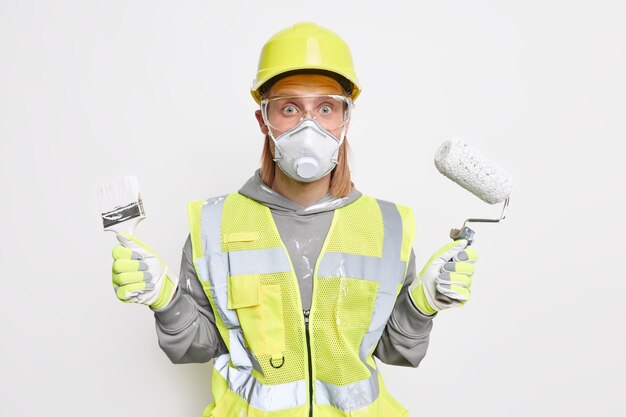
<point x="467" y="167"/>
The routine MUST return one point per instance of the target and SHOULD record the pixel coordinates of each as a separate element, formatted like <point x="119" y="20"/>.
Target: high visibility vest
<point x="282" y="361"/>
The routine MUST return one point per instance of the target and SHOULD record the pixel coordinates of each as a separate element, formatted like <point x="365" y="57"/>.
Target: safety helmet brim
<point x="305" y="47"/>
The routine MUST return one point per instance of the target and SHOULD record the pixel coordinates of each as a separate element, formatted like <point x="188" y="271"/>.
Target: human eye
<point x="289" y="110"/>
<point x="326" y="109"/>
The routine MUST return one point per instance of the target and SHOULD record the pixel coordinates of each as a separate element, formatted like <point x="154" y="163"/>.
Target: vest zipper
<point x="308" y="348"/>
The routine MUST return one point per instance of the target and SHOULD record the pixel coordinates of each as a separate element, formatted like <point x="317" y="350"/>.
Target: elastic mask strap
<point x="276" y="147"/>
<point x="342" y="135"/>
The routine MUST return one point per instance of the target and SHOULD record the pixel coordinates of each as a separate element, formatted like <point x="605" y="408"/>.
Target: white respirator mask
<point x="307" y="152"/>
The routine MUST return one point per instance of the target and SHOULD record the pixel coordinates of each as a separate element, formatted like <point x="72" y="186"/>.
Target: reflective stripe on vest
<point x="264" y="397"/>
<point x="389" y="271"/>
<point x="216" y="272"/>
<point x="216" y="266"/>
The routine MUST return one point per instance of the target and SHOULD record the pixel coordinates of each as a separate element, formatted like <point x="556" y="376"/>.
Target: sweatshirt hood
<point x="256" y="190"/>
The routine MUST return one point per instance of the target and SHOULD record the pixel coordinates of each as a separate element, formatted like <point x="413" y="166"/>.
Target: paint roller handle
<point x="456" y="234"/>
<point x="463" y="233"/>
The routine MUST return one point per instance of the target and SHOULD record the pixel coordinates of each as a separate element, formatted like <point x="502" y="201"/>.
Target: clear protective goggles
<point x="283" y="113"/>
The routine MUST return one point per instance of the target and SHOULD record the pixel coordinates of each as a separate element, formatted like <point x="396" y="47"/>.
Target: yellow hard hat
<point x="305" y="46"/>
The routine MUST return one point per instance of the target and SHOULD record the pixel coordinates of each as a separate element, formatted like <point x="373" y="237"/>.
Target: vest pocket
<point x="343" y="312"/>
<point x="260" y="312"/>
<point x="240" y="237"/>
<point x="243" y="291"/>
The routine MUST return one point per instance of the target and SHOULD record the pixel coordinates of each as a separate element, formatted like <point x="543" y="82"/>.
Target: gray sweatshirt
<point x="186" y="326"/>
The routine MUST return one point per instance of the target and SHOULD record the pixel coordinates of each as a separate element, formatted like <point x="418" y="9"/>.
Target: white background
<point x="91" y="91"/>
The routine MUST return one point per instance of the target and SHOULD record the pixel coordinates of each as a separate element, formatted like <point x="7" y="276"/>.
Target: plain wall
<point x="92" y="91"/>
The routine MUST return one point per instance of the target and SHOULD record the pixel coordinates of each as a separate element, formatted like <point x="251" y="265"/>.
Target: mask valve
<point x="306" y="167"/>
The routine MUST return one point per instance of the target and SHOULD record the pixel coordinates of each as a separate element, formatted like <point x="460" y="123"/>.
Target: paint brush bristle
<point x="120" y="201"/>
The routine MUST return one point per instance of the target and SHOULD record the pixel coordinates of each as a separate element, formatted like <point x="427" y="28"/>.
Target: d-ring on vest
<point x="276" y="364"/>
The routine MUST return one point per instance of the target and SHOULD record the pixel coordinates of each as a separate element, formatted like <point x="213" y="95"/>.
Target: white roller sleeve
<point x="467" y="167"/>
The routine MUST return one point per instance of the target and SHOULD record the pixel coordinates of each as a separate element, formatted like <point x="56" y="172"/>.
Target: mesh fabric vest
<point x="281" y="362"/>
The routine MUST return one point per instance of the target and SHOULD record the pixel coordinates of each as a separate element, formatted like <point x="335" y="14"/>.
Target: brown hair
<point x="340" y="181"/>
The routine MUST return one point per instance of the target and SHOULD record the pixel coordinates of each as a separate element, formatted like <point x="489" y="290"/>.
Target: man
<point x="295" y="283"/>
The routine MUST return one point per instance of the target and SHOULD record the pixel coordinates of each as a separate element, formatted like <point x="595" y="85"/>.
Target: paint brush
<point x="121" y="205"/>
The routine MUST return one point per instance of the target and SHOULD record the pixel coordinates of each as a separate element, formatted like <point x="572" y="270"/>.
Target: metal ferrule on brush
<point x="122" y="214"/>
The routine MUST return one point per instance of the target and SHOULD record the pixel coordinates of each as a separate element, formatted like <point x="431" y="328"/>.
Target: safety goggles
<point x="282" y="113"/>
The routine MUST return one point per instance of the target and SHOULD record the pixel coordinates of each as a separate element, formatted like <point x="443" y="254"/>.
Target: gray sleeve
<point x="186" y="326"/>
<point x="405" y="339"/>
